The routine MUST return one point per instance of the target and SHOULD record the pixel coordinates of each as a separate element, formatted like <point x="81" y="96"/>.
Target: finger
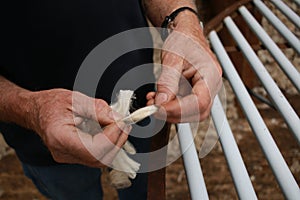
<point x="84" y="159"/>
<point x="117" y="133"/>
<point x="83" y="105"/>
<point x="150" y="95"/>
<point x="189" y="70"/>
<point x="167" y="84"/>
<point x="96" y="109"/>
<point x="105" y="115"/>
<point x="97" y="146"/>
<point x="122" y="139"/>
<point x="186" y="109"/>
<point x="74" y="146"/>
<point x="129" y="148"/>
<point x="175" y="49"/>
<point x="204" y="67"/>
<point x="113" y="143"/>
<point x="150" y="102"/>
<point x="62" y="157"/>
<point x="108" y="158"/>
<point x="181" y="108"/>
<point x="78" y="120"/>
<point x="71" y="146"/>
<point x="185" y="87"/>
<point x="194" y="117"/>
<point x="123" y="136"/>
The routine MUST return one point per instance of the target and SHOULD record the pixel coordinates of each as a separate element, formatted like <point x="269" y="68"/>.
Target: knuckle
<point x="207" y="103"/>
<point x="206" y="111"/>
<point x="124" y="138"/>
<point x="57" y="157"/>
<point x="101" y="102"/>
<point x="174" y="113"/>
<point x="102" y="106"/>
<point x="205" y="115"/>
<point x="51" y="143"/>
<point x="204" y="103"/>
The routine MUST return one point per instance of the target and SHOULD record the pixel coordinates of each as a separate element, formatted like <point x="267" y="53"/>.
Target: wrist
<point x="23" y="109"/>
<point x="186" y="18"/>
<point x="183" y="19"/>
<point x="17" y="104"/>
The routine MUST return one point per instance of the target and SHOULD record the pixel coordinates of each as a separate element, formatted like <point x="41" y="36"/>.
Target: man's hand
<point x="191" y="75"/>
<point x="56" y="117"/>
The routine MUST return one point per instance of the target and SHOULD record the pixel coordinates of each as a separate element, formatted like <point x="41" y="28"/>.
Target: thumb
<point x="104" y="114"/>
<point x="168" y="82"/>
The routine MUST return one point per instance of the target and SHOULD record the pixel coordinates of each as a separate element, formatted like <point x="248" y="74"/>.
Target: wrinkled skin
<point x="191" y="75"/>
<point x="56" y="116"/>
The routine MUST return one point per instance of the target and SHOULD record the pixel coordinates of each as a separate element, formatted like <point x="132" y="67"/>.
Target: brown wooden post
<point x="157" y="179"/>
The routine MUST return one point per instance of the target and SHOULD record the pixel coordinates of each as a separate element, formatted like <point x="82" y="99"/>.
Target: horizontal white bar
<point x="279" y="100"/>
<point x="297" y="2"/>
<point x="280" y="169"/>
<point x="288" y="68"/>
<point x="277" y="23"/>
<point x="287" y="11"/>
<point x="232" y="154"/>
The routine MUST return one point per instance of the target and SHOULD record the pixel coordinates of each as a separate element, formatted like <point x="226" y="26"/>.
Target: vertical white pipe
<point x="278" y="165"/>
<point x="191" y="163"/>
<point x="232" y="154"/>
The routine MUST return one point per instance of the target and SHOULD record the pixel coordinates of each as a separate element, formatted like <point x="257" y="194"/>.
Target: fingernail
<point x="161" y="98"/>
<point x="78" y="120"/>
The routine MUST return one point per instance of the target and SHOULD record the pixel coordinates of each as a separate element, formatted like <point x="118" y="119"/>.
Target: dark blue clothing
<point x="42" y="46"/>
<point x="77" y="182"/>
<point x="43" y="43"/>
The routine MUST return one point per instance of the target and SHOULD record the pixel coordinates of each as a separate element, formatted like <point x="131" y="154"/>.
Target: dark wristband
<point x="164" y="31"/>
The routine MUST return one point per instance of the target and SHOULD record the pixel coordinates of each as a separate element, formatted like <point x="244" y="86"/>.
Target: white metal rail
<point x="287" y="11"/>
<point x="281" y="171"/>
<point x="279" y="25"/>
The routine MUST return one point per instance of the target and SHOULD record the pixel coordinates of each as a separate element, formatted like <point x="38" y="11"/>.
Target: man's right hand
<point x="56" y="115"/>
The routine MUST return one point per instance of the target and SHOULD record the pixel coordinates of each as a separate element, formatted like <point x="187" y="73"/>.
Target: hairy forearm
<point x="157" y="10"/>
<point x="15" y="104"/>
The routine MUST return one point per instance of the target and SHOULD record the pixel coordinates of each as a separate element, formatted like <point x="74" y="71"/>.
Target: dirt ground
<point x="14" y="185"/>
